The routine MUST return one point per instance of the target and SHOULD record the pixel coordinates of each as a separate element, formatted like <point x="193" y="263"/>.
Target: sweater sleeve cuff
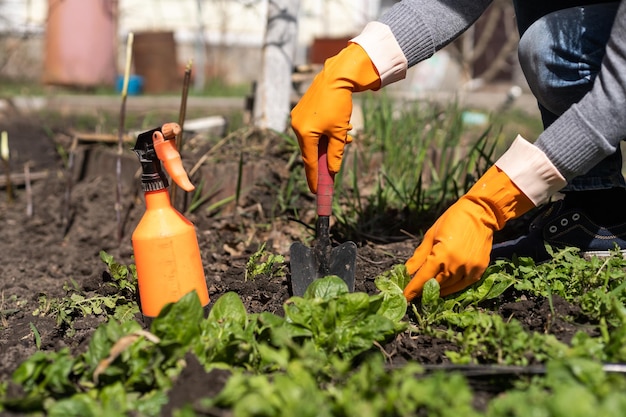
<point x="531" y="171"/>
<point x="384" y="51"/>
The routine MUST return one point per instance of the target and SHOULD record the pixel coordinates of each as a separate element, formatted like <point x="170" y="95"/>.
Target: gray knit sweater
<point x="585" y="134"/>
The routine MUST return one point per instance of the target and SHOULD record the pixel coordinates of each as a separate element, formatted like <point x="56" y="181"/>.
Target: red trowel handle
<point x="325" y="181"/>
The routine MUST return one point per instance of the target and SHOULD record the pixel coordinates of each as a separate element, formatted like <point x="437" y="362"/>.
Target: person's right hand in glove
<point x="370" y="61"/>
<point x="456" y="249"/>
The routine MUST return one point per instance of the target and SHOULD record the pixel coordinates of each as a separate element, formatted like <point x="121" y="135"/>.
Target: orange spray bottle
<point x="167" y="255"/>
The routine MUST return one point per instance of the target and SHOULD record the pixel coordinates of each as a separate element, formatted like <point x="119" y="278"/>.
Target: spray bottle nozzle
<point x="156" y="146"/>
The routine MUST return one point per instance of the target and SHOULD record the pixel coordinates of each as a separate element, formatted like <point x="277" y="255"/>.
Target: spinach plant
<point x="78" y="303"/>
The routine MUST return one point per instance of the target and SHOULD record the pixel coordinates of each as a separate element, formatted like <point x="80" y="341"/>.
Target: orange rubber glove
<point x="455" y="250"/>
<point x="326" y="107"/>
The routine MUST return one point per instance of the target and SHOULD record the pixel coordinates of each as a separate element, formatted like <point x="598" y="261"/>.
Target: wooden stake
<point x="100" y="137"/>
<point x="19" y="179"/>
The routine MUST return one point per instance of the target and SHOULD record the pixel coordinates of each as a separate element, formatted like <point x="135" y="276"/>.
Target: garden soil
<point x="54" y="226"/>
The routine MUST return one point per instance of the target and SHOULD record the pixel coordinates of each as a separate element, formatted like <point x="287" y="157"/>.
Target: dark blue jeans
<point x="560" y="53"/>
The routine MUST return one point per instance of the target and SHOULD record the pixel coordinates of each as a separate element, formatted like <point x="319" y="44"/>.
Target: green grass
<point x="214" y="87"/>
<point x="412" y="160"/>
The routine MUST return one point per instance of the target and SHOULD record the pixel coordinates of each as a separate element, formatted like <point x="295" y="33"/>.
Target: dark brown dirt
<point x="60" y="241"/>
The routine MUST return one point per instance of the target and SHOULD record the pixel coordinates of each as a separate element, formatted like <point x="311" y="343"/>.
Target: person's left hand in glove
<point x="455" y="250"/>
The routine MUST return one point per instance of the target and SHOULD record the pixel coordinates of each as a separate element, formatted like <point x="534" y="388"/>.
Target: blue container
<point x="135" y="84"/>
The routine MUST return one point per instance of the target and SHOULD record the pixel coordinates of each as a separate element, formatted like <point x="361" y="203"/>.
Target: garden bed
<point x="55" y="251"/>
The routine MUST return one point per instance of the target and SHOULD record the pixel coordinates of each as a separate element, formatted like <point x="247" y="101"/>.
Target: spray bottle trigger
<point x="167" y="153"/>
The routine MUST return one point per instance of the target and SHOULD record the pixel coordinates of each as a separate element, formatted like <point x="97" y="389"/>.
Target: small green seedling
<point x="264" y="263"/>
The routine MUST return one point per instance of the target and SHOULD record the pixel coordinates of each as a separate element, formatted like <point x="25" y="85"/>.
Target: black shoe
<point x="561" y="225"/>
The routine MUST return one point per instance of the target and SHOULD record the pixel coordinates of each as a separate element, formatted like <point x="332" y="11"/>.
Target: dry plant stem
<point x="3" y="320"/>
<point x="500" y="61"/>
<point x="67" y="205"/>
<point x="120" y="142"/>
<point x="29" y="191"/>
<point x="7" y="169"/>
<point x="218" y="145"/>
<point x="181" y="122"/>
<point x="119" y="347"/>
<point x="481" y="45"/>
<point x="6" y="159"/>
<point x="489" y="28"/>
<point x="118" y="173"/>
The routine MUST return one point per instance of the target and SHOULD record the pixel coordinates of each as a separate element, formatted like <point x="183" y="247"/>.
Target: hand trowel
<point x="322" y="259"/>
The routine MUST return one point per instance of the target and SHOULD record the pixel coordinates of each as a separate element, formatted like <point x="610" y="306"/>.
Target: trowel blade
<point x="305" y="268"/>
<point x="343" y="263"/>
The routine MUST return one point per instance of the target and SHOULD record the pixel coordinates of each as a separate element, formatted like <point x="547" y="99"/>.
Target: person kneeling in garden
<point x="573" y="54"/>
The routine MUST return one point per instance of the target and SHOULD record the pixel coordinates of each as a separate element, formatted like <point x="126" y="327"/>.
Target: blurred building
<point x="83" y="41"/>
